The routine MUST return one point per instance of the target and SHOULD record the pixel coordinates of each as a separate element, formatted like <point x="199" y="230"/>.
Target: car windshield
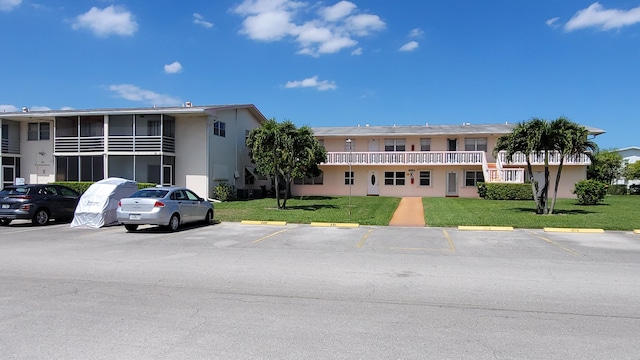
<point x="15" y="191"/>
<point x="149" y="193"/>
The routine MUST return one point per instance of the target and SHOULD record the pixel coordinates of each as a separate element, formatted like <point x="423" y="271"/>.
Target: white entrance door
<point x="452" y="184"/>
<point x="372" y="181"/>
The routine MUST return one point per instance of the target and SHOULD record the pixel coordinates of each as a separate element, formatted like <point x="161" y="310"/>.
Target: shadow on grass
<point x="310" y="207"/>
<point x="556" y="211"/>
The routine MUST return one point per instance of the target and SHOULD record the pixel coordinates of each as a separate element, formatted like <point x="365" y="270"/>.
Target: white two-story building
<point x="193" y="146"/>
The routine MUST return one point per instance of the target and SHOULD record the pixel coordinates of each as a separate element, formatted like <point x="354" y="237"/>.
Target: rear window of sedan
<point x="16" y="191"/>
<point x="149" y="193"/>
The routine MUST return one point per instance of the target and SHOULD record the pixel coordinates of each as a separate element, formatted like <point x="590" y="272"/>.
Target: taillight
<point x="119" y="203"/>
<point x="23" y="197"/>
<point x="158" y="204"/>
<point x="25" y="207"/>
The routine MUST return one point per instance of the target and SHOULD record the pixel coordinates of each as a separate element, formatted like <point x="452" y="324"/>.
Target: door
<point x="452" y="144"/>
<point x="8" y="173"/>
<point x="167" y="179"/>
<point x="372" y="188"/>
<point x="452" y="184"/>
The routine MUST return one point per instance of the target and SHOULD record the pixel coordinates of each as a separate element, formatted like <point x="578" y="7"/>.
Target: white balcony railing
<point x="538" y="159"/>
<point x="116" y="143"/>
<point x="406" y="158"/>
<point x="10" y="146"/>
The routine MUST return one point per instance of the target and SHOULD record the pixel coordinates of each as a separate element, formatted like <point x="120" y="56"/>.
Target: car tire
<point x="208" y="219"/>
<point x="174" y="222"/>
<point x="41" y="217"/>
<point x="131" y="227"/>
<point x="5" y="222"/>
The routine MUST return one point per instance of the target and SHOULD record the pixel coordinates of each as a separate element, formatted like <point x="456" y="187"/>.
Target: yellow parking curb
<point x="636" y="231"/>
<point x="574" y="230"/>
<point x="342" y="225"/>
<point x="486" y="228"/>
<point x="257" y="222"/>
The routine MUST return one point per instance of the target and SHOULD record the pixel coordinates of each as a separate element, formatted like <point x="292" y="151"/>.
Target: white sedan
<point x="165" y="206"/>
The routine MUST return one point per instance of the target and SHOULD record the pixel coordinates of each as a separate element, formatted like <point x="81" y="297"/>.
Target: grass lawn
<point x="615" y="213"/>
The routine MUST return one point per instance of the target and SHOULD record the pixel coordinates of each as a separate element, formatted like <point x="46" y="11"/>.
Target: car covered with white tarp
<point x="97" y="206"/>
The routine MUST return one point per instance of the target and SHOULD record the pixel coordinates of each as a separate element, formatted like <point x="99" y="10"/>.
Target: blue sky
<point x="333" y="63"/>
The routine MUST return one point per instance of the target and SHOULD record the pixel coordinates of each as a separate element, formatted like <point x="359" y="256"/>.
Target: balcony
<point x="116" y="143"/>
<point x="406" y="158"/>
<point x="520" y="159"/>
<point x="10" y="146"/>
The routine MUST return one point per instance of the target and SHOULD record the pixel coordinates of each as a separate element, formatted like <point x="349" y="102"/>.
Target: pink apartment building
<point x="427" y="161"/>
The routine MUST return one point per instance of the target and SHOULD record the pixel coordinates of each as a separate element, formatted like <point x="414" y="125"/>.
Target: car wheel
<point x="5" y="222"/>
<point x="208" y="219"/>
<point x="41" y="217"/>
<point x="131" y="227"/>
<point x="174" y="222"/>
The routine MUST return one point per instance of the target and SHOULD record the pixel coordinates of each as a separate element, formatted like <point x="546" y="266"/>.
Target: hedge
<point x="504" y="191"/>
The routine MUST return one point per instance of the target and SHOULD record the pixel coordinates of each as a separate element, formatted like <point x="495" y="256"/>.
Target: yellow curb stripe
<point x="486" y="228"/>
<point x="574" y="230"/>
<point x="257" y="222"/>
<point x="636" y="231"/>
<point x="342" y="225"/>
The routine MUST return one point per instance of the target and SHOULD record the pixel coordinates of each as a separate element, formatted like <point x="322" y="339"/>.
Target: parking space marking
<point x="452" y="247"/>
<point x="556" y="244"/>
<point x="271" y="235"/>
<point x="36" y="228"/>
<point x="364" y="239"/>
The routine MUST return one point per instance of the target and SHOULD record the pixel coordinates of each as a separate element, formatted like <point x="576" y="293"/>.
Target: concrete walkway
<point x="410" y="212"/>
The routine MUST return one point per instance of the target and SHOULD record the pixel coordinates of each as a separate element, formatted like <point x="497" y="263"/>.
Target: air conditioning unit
<point x="188" y="104"/>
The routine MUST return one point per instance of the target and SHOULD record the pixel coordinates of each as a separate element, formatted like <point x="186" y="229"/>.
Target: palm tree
<point x="571" y="139"/>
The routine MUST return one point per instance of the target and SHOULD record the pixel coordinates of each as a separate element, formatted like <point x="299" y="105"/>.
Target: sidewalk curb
<point x="257" y="222"/>
<point x="485" y="228"/>
<point x="574" y="230"/>
<point x="340" y="225"/>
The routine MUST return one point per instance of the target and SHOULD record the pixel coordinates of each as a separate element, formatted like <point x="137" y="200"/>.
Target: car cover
<point x="97" y="206"/>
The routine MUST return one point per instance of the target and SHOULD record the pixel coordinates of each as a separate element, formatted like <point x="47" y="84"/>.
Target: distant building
<point x="193" y="146"/>
<point x="629" y="155"/>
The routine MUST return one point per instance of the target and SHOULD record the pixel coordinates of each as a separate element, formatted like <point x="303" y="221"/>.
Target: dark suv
<point x="37" y="203"/>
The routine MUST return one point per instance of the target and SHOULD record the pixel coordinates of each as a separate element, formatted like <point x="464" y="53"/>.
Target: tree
<point x="632" y="171"/>
<point x="607" y="166"/>
<point x="571" y="139"/>
<point x="539" y="136"/>
<point x="285" y="152"/>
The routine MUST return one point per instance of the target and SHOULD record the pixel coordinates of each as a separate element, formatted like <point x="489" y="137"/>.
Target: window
<point x="425" y="178"/>
<point x="425" y="144"/>
<point x="153" y="128"/>
<point x="394" y="178"/>
<point x="348" y="177"/>
<point x="219" y="129"/>
<point x="91" y="126"/>
<point x="475" y="144"/>
<point x="38" y="131"/>
<point x="472" y="178"/>
<point x="394" y="144"/>
<point x="349" y="145"/>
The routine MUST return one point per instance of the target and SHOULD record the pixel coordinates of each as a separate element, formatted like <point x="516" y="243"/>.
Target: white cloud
<point x="199" y="20"/>
<point x="8" y="108"/>
<point x="596" y="16"/>
<point x="553" y="22"/>
<point x="173" y="68"/>
<point x="416" y="33"/>
<point x="327" y="31"/>
<point x="312" y="82"/>
<point x="357" y="51"/>
<point x="112" y="20"/>
<point x="67" y="108"/>
<point x="338" y="11"/>
<point x="8" y="5"/>
<point x="134" y="93"/>
<point x="410" y="46"/>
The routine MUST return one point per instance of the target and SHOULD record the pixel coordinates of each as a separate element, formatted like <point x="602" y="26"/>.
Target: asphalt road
<point x="232" y="291"/>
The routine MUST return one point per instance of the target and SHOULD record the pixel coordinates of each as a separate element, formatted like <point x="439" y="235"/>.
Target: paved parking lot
<point x="254" y="291"/>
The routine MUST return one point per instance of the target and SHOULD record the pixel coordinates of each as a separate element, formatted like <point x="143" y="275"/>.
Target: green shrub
<point x="224" y="192"/>
<point x="82" y="186"/>
<point x="505" y="191"/>
<point x="617" y="190"/>
<point x="590" y="192"/>
<point x="634" y="189"/>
